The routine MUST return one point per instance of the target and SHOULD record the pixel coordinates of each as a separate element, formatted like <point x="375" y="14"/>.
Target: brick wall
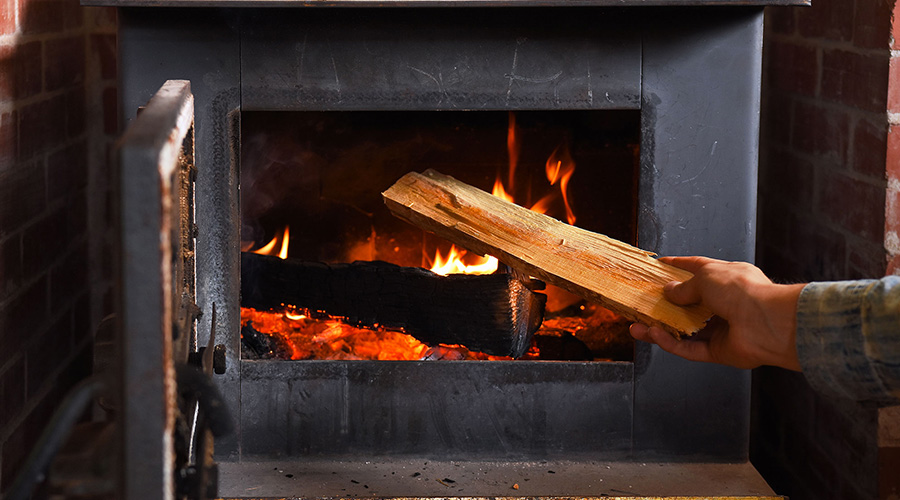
<point x="57" y="68"/>
<point x="892" y="215"/>
<point x="826" y="212"/>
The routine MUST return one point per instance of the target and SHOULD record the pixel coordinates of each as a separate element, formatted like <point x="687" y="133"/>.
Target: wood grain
<point x="621" y="277"/>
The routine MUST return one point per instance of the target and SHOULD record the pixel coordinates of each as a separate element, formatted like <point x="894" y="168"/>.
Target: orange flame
<point x="500" y="192"/>
<point x="512" y="147"/>
<point x="453" y="263"/>
<point x="284" y="243"/>
<point x="560" y="167"/>
<point x="269" y="248"/>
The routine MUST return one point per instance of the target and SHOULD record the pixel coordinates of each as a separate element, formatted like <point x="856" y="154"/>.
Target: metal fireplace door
<point x="168" y="408"/>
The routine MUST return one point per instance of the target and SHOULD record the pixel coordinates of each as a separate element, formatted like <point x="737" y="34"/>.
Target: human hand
<point x="754" y="322"/>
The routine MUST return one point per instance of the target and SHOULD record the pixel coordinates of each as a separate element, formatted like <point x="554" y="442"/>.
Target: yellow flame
<point x="560" y="167"/>
<point x="269" y="248"/>
<point x="284" y="243"/>
<point x="500" y="192"/>
<point x="453" y="263"/>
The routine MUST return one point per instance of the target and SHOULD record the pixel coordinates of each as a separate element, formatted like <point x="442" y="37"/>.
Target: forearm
<point x="848" y="338"/>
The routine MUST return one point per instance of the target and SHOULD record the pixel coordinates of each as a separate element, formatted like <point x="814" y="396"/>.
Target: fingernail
<point x="671" y="286"/>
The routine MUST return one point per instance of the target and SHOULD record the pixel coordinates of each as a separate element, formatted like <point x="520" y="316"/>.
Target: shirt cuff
<point x="848" y="338"/>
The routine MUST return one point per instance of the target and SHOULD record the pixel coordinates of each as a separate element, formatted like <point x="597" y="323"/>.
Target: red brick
<point x="892" y="211"/>
<point x="828" y="19"/>
<point x="820" y="131"/>
<point x="856" y="80"/>
<point x="7" y="17"/>
<point x="67" y="171"/>
<point x="44" y="242"/>
<point x="792" y="67"/>
<point x="775" y="124"/>
<point x="7" y="72"/>
<point x="893" y="266"/>
<point x="786" y="178"/>
<point x="8" y="140"/>
<point x="857" y="206"/>
<point x="15" y="450"/>
<point x="872" y="28"/>
<point x="888" y="479"/>
<point x="31" y="303"/>
<point x="893" y="152"/>
<point x="47" y="353"/>
<point x="895" y="28"/>
<point x="893" y="99"/>
<point x="866" y="260"/>
<point x="20" y="71"/>
<point x="22" y="196"/>
<point x="103" y="50"/>
<point x="29" y="80"/>
<point x="42" y="126"/>
<point x="110" y="111"/>
<point x="780" y="21"/>
<point x="63" y="62"/>
<point x="69" y="279"/>
<point x="73" y="14"/>
<point x="12" y="390"/>
<point x="101" y="19"/>
<point x="870" y="149"/>
<point x="820" y="251"/>
<point x="41" y="16"/>
<point x="11" y="276"/>
<point x="76" y="121"/>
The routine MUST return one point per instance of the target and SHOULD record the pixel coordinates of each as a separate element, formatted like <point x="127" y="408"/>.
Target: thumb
<point x="682" y="293"/>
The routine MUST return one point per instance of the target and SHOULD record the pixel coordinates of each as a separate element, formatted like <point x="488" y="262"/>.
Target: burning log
<point x="622" y="278"/>
<point x="495" y="314"/>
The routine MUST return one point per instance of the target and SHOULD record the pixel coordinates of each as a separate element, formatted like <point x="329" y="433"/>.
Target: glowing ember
<point x="305" y="337"/>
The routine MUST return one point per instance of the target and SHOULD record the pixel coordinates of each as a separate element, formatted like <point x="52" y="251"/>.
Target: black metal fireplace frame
<point x="694" y="74"/>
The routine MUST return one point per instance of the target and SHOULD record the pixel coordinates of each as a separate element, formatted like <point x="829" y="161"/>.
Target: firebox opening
<point x="311" y="186"/>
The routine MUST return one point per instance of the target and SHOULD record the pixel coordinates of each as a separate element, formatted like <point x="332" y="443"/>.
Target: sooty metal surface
<point x="694" y="73"/>
<point x="422" y="479"/>
<point x="452" y="409"/>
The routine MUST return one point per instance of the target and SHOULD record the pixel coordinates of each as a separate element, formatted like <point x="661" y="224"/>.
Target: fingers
<point x="688" y="349"/>
<point x="683" y="293"/>
<point x="692" y="264"/>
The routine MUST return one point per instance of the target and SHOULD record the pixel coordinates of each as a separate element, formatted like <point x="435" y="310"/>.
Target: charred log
<point x="496" y="314"/>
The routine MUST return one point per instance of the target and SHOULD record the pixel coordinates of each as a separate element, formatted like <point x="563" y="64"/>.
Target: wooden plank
<point x="623" y="278"/>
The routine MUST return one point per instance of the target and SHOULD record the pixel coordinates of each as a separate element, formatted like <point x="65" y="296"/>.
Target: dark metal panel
<point x="149" y="184"/>
<point x="440" y="59"/>
<point x="200" y="45"/>
<point x="445" y="409"/>
<point x="700" y="122"/>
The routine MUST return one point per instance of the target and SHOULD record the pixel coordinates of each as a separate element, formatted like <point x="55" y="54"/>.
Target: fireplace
<point x="677" y="86"/>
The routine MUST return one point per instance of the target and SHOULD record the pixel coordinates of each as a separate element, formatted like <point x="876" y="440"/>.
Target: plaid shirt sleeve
<point x="848" y="338"/>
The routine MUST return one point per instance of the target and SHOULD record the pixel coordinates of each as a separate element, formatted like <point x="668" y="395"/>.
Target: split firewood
<point x="496" y="314"/>
<point x="620" y="277"/>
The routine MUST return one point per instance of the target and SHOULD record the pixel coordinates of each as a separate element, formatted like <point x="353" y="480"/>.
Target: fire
<point x="269" y="248"/>
<point x="560" y="168"/>
<point x="453" y="263"/>
<point x="512" y="148"/>
<point x="300" y="336"/>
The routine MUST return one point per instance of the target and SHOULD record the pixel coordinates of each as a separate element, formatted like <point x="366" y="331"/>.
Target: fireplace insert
<point x="668" y="95"/>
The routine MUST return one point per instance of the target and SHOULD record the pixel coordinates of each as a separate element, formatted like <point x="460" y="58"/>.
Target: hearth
<point x="676" y="86"/>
